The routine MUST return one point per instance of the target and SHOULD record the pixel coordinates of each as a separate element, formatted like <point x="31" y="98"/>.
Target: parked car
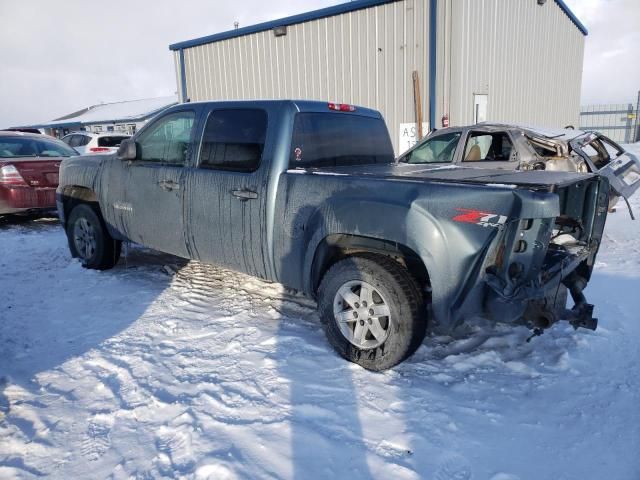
<point x="514" y="147"/>
<point x="23" y="129"/>
<point x="29" y="165"/>
<point x="308" y="194"/>
<point x="101" y="143"/>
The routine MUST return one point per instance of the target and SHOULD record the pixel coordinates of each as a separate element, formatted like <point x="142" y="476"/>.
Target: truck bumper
<point x="541" y="303"/>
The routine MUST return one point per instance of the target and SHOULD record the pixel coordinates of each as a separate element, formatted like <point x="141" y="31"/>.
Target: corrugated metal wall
<point x="619" y="122"/>
<point x="526" y="57"/>
<point x="365" y="57"/>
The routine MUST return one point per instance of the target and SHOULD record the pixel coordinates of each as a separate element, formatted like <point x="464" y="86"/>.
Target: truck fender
<point x="413" y="228"/>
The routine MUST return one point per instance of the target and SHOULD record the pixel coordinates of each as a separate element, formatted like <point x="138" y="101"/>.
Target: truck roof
<point x="300" y="105"/>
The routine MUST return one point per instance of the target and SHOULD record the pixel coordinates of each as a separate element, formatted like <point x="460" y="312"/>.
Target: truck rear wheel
<point x="89" y="239"/>
<point x="373" y="311"/>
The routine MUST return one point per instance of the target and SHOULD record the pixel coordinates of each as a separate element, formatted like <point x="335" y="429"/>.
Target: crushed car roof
<point x="548" y="132"/>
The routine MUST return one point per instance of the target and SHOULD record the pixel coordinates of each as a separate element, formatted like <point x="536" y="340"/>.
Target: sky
<point x="59" y="57"/>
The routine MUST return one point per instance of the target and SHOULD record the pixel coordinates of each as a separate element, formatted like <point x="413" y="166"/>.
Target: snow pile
<point x="161" y="368"/>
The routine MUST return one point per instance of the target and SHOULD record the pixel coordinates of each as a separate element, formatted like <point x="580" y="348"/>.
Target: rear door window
<point x="488" y="147"/>
<point x="330" y="139"/>
<point x="234" y="139"/>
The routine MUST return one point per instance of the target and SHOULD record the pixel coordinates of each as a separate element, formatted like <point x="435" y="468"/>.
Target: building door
<point x="480" y="107"/>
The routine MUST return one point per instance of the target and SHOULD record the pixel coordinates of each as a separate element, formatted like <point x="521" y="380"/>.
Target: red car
<point x="29" y="166"/>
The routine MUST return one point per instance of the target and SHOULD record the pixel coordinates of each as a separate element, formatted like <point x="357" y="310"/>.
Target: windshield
<point x="11" y="147"/>
<point x="439" y="149"/>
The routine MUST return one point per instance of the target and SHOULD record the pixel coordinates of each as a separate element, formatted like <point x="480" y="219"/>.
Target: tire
<point x="397" y="335"/>
<point x="89" y="239"/>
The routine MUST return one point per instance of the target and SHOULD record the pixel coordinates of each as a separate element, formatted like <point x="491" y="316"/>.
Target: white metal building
<point x="471" y="60"/>
<point x="125" y="117"/>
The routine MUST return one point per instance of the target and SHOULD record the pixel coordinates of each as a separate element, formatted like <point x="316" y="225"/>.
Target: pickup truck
<point x="308" y="194"/>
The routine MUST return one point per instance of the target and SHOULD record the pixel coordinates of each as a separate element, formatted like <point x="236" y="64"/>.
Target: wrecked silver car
<point x="516" y="147"/>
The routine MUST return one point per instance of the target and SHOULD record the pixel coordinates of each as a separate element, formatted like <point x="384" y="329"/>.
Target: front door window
<point x="168" y="140"/>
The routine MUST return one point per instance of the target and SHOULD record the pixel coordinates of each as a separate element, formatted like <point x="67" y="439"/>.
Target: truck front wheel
<point x="373" y="311"/>
<point x="89" y="239"/>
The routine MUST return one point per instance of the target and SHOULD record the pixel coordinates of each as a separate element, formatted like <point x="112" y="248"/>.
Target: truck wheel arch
<point x="335" y="247"/>
<point x="72" y="195"/>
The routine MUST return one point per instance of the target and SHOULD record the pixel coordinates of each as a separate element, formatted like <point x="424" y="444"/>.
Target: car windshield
<point x="11" y="147"/>
<point x="439" y="149"/>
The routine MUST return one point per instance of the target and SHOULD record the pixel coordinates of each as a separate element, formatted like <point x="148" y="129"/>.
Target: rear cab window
<point x="332" y="139"/>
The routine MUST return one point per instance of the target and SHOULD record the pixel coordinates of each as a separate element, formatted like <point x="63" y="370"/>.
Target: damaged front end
<point x="541" y="260"/>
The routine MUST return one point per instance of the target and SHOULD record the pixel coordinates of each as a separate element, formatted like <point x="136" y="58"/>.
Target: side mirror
<point x="128" y="150"/>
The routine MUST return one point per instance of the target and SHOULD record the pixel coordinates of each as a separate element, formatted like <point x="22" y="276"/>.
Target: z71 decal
<point x="484" y="219"/>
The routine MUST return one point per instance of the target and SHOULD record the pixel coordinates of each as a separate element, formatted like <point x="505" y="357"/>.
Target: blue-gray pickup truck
<point x="308" y="194"/>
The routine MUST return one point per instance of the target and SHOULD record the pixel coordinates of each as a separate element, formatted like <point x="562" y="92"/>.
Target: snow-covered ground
<point x="162" y="368"/>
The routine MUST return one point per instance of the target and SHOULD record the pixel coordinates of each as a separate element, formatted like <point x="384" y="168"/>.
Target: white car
<point x="87" y="143"/>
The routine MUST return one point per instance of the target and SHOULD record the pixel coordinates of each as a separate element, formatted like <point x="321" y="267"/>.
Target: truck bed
<point x="532" y="179"/>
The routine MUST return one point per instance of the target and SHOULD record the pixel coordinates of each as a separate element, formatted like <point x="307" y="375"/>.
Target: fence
<point x="619" y="122"/>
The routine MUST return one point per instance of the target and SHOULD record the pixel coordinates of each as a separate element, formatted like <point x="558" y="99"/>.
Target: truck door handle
<point x="168" y="185"/>
<point x="244" y="194"/>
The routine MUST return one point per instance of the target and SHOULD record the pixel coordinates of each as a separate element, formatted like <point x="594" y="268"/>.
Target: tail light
<point x="99" y="149"/>
<point x="341" y="107"/>
<point x="9" y="175"/>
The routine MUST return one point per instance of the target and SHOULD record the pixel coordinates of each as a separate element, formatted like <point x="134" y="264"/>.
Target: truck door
<point x="146" y="197"/>
<point x="226" y="193"/>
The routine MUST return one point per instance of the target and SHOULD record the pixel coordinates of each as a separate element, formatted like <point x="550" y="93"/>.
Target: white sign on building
<point x="409" y="135"/>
